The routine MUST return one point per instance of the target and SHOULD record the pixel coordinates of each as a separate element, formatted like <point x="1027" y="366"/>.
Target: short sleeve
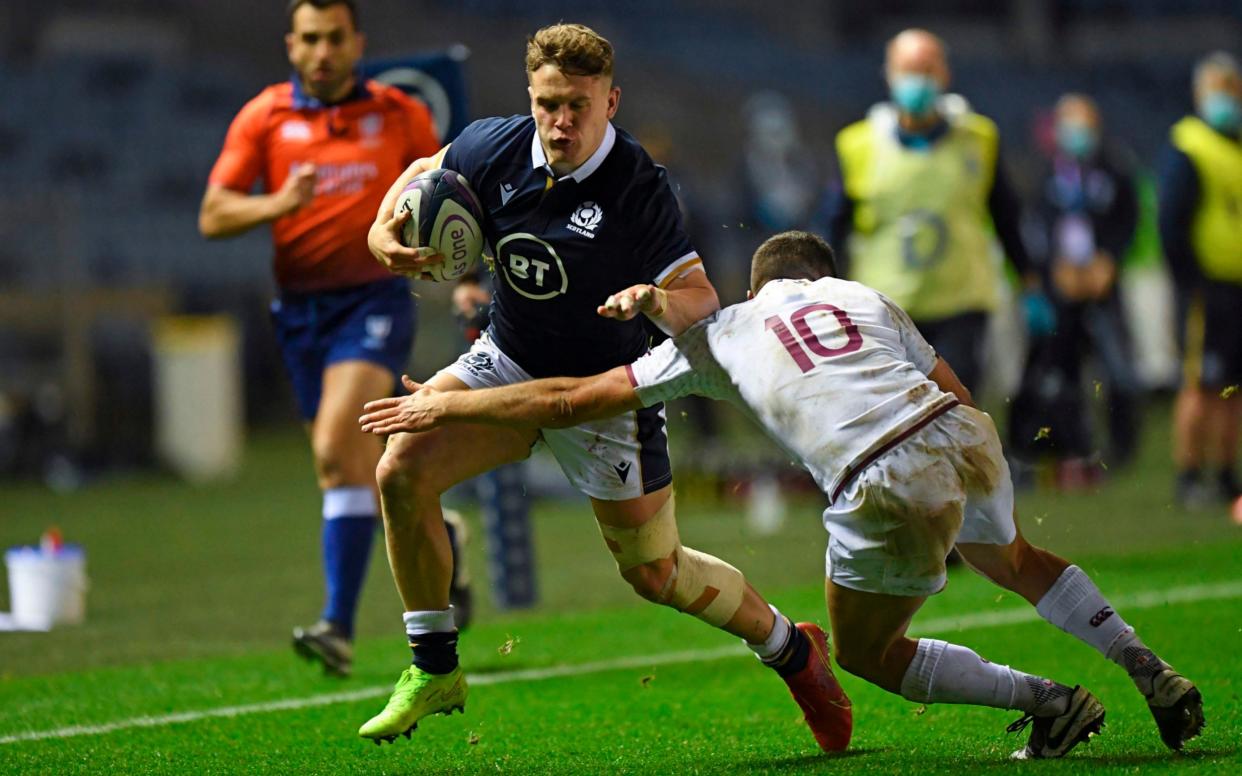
<point x="421" y="129"/>
<point x="468" y="150"/>
<point x="917" y="350"/>
<point x="679" y="367"/>
<point x="663" y="247"/>
<point x="241" y="159"/>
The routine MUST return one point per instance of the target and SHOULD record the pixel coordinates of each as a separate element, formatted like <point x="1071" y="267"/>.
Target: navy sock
<point x="793" y="657"/>
<point x="435" y="653"/>
<point x="346" y="553"/>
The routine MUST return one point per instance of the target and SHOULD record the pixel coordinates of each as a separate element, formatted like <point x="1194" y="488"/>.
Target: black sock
<point x="435" y="653"/>
<point x="1188" y="476"/>
<point x="1227" y="483"/>
<point x="793" y="657"/>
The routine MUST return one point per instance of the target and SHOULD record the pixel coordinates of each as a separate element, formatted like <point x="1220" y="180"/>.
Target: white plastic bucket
<point x="47" y="588"/>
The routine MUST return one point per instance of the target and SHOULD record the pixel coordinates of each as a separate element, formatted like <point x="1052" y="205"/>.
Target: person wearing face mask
<point x="921" y="189"/>
<point x="1085" y="219"/>
<point x="1200" y="219"/>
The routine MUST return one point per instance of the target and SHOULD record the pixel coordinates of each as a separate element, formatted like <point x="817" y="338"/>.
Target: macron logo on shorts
<point x="623" y="470"/>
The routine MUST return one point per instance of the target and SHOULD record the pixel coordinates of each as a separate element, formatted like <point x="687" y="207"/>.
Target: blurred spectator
<point x="922" y="185"/>
<point x="1085" y="220"/>
<point x="1201" y="228"/>
<point x="781" y="184"/>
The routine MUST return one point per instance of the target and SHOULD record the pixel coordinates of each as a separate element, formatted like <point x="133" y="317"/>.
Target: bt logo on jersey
<point x="531" y="266"/>
<point x="522" y="266"/>
<point x="585" y="219"/>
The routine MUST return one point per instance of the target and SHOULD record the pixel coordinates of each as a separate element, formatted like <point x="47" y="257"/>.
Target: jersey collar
<point x="303" y="101"/>
<point x="773" y="285"/>
<point x="538" y="159"/>
<point x="925" y="139"/>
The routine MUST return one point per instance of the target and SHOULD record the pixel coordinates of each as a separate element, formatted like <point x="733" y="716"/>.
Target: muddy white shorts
<point x="893" y="524"/>
<point x="612" y="459"/>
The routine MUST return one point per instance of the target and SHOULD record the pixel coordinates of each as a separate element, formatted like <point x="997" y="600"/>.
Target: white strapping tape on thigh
<point x="654" y="540"/>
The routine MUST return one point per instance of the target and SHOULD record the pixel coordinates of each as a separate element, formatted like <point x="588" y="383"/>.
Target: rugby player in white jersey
<point x="839" y="376"/>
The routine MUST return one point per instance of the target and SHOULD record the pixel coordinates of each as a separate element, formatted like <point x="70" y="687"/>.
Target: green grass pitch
<point x="183" y="665"/>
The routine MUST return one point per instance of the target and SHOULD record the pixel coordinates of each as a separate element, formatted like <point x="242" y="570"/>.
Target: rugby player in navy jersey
<point x="586" y="237"/>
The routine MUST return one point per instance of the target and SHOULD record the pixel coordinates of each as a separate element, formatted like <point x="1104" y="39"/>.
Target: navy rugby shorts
<point x="372" y="322"/>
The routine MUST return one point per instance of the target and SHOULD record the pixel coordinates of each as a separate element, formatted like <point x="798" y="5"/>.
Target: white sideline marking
<point x="1147" y="599"/>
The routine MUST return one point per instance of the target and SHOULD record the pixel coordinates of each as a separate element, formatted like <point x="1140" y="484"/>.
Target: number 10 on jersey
<point x="809" y="340"/>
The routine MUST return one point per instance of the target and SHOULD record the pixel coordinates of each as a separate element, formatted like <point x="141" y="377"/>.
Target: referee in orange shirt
<point x="325" y="145"/>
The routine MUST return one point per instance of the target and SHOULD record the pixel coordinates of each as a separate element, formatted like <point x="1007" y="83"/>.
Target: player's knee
<point x="330" y="465"/>
<point x="652" y="559"/>
<point x="396" y="478"/>
<point x="343" y="457"/>
<point x="649" y="579"/>
<point x="998" y="563"/>
<point x="405" y="472"/>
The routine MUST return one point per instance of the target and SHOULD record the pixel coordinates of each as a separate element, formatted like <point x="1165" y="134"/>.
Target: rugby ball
<point x="445" y="215"/>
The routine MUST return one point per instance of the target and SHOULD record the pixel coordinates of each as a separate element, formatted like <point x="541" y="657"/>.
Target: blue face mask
<point x="1222" y="112"/>
<point x="1076" y="140"/>
<point x="914" y="94"/>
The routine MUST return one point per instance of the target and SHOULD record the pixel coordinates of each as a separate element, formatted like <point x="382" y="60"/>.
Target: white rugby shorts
<point x="613" y="459"/>
<point x="896" y="520"/>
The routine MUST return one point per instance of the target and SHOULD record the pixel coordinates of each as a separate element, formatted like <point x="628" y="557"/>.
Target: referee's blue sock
<point x="349" y="521"/>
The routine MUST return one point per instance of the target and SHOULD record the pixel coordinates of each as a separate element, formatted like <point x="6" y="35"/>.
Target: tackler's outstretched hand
<point x="421" y="410"/>
<point x="384" y="240"/>
<point x="642" y="298"/>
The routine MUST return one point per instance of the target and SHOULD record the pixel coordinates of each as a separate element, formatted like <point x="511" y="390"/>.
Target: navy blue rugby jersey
<point x="562" y="245"/>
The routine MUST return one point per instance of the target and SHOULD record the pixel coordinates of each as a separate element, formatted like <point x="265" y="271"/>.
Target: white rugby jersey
<point x="834" y="372"/>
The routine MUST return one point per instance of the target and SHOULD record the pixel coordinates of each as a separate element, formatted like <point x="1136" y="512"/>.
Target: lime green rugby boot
<point x="418" y="694"/>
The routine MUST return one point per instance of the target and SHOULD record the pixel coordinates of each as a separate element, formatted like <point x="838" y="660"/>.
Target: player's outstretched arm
<point x="555" y="402"/>
<point x="384" y="238"/>
<point x="226" y="213"/>
<point x="674" y="308"/>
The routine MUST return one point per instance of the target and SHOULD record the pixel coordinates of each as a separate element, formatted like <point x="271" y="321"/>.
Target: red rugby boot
<point x="825" y="706"/>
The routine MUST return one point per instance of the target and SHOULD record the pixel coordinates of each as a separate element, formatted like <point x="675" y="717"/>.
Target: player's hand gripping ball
<point x="445" y="215"/>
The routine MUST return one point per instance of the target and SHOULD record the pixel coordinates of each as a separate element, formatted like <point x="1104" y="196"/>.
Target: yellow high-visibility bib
<point x="922" y="233"/>
<point x="1216" y="231"/>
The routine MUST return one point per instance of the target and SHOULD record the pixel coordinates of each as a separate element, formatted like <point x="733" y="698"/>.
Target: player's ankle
<point x="433" y="639"/>
<point x="435" y="653"/>
<point x="1055" y="701"/>
<point x="793" y="657"/>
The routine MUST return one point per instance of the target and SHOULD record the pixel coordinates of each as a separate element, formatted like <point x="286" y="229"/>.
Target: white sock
<point x="1075" y="605"/>
<point x="349" y="501"/>
<point x="948" y="673"/>
<point x="776" y="640"/>
<point x="418" y="623"/>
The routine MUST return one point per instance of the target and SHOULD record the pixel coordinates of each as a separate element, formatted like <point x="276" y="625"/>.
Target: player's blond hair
<point x="574" y="49"/>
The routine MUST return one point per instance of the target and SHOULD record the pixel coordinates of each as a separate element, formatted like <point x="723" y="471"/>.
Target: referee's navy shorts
<point x="372" y="322"/>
